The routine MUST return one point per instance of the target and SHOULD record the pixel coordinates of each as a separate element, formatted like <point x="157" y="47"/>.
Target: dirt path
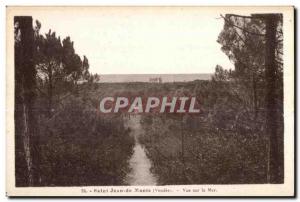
<point x="140" y="164"/>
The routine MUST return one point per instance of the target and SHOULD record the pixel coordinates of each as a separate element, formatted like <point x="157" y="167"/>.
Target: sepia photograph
<point x="150" y="101"/>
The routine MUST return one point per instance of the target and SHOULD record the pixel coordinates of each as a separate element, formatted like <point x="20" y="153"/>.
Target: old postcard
<point x="150" y="101"/>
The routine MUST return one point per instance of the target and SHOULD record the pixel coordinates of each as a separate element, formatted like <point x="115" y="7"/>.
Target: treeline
<point x="235" y="140"/>
<point x="60" y="138"/>
<point x="59" y="68"/>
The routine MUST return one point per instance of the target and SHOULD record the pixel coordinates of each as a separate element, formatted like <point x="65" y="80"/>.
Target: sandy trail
<point x="140" y="164"/>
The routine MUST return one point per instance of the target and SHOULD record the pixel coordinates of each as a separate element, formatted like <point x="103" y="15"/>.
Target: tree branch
<point x="245" y="30"/>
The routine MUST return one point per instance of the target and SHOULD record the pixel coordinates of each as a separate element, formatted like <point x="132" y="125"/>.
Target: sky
<point x="140" y="40"/>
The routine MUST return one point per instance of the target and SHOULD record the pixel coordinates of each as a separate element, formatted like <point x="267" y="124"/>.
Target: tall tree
<point x="48" y="62"/>
<point x="242" y="40"/>
<point x="271" y="21"/>
<point x="85" y="68"/>
<point x="25" y="95"/>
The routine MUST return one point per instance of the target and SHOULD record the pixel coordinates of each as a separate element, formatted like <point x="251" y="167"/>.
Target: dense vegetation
<point x="224" y="144"/>
<point x="80" y="147"/>
<point x="70" y="143"/>
<point x="237" y="137"/>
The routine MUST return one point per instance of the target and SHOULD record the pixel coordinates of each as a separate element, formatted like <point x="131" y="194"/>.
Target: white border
<point x="88" y="2"/>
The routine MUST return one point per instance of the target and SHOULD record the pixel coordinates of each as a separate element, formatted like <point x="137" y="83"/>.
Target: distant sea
<point x="165" y="78"/>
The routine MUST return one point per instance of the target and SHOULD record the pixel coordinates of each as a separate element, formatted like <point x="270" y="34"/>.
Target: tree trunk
<point x="50" y="90"/>
<point x="271" y="114"/>
<point x="255" y="97"/>
<point x="25" y="82"/>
